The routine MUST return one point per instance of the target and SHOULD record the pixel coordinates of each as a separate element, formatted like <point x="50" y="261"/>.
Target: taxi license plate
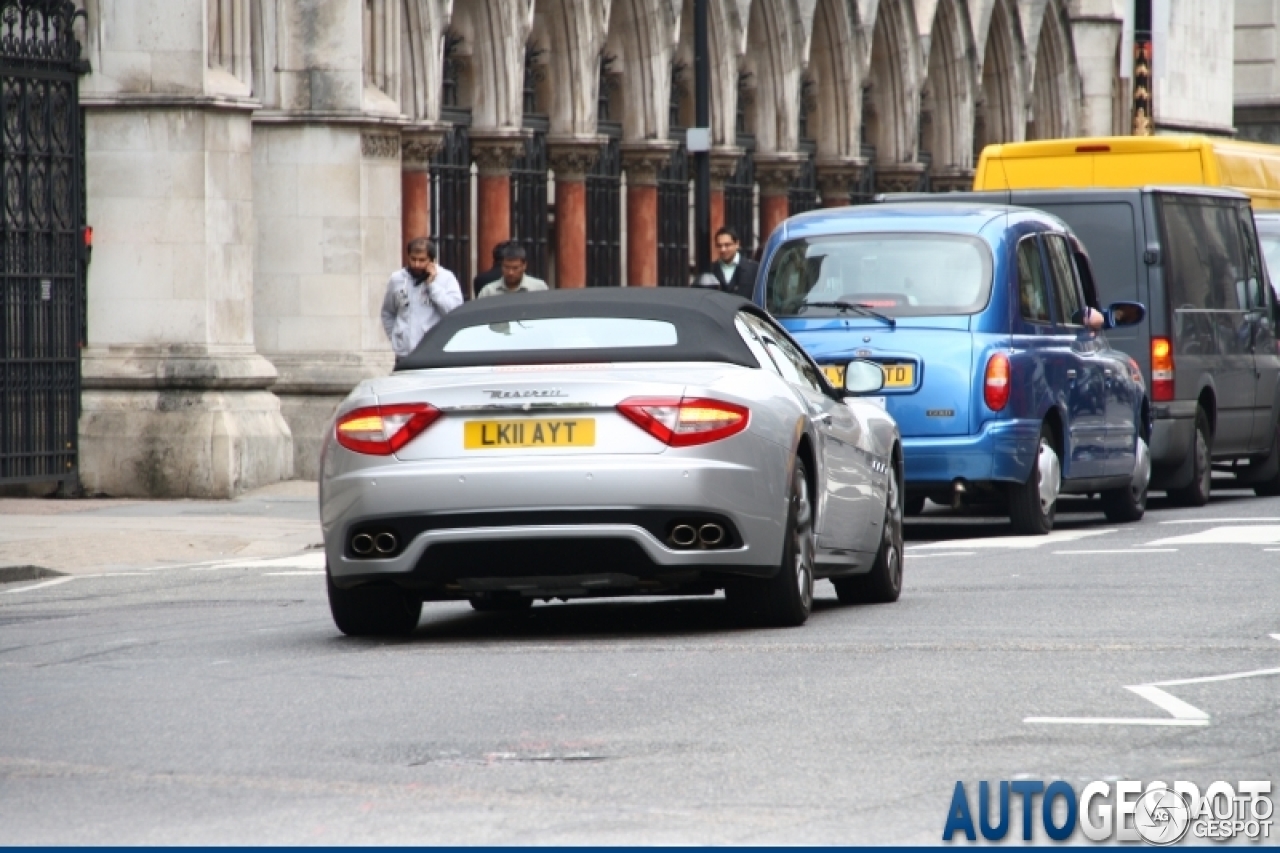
<point x="560" y="432"/>
<point x="895" y="375"/>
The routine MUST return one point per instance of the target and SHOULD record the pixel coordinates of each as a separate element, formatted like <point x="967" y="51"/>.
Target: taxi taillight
<point x="1161" y="370"/>
<point x="995" y="388"/>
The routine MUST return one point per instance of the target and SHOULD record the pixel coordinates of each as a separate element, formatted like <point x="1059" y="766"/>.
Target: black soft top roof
<point x="703" y="321"/>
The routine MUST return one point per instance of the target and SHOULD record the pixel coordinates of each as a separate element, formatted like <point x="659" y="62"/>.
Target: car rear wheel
<point x="501" y="603"/>
<point x="883" y="584"/>
<point x="1196" y="493"/>
<point x="1130" y="503"/>
<point x="786" y="599"/>
<point x="374" y="610"/>
<point x="1033" y="504"/>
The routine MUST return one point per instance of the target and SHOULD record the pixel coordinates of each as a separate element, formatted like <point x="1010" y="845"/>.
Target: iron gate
<point x="673" y="221"/>
<point x="451" y="199"/>
<point x="604" y="215"/>
<point x="740" y="198"/>
<point x="529" y="220"/>
<point x="42" y="254"/>
<point x="802" y="196"/>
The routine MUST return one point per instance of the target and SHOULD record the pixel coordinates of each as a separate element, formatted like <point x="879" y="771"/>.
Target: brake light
<point x="1092" y="149"/>
<point x="382" y="430"/>
<point x="1161" y="370"/>
<point x="995" y="388"/>
<point x="682" y="422"/>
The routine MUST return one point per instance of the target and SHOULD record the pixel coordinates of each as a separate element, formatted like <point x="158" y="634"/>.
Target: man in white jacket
<point x="418" y="296"/>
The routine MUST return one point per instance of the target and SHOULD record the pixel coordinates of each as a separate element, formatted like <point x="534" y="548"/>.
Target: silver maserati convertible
<point x="604" y="443"/>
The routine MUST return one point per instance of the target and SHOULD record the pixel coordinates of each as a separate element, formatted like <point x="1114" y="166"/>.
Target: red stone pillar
<point x="570" y="161"/>
<point x="836" y="178"/>
<point x="494" y="152"/>
<point x="775" y="173"/>
<point x="643" y="161"/>
<point x="416" y="152"/>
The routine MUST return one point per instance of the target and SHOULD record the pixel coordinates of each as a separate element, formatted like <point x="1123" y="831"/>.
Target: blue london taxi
<point x="997" y="366"/>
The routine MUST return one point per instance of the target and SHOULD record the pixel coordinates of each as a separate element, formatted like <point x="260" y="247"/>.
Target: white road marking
<point x="308" y="572"/>
<point x="313" y="560"/>
<point x="1182" y="713"/>
<point x="1124" y="551"/>
<point x="1218" y="520"/>
<point x="1275" y="636"/>
<point x="1055" y="538"/>
<point x="40" y="585"/>
<point x="1263" y="534"/>
<point x="944" y="554"/>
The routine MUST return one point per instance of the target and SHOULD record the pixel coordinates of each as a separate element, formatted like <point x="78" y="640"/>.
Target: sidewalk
<point x="83" y="536"/>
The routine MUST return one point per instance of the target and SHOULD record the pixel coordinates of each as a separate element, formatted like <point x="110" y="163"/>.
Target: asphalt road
<point x="217" y="703"/>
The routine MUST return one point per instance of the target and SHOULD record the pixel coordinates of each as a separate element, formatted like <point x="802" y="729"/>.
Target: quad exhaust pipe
<point x="707" y="535"/>
<point x="370" y="544"/>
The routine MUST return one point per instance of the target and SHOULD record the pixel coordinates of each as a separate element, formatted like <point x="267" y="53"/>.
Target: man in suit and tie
<point x="736" y="273"/>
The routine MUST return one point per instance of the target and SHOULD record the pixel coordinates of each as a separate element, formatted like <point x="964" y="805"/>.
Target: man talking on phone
<point x="418" y="297"/>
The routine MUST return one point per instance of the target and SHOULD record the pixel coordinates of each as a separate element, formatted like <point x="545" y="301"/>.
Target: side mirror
<point x="863" y="377"/>
<point x="1124" y="314"/>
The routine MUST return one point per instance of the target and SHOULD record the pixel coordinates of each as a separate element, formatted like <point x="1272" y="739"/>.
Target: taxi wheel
<point x="1130" y="503"/>
<point x="1033" y="504"/>
<point x="1196" y="493"/>
<point x="499" y="603"/>
<point x="883" y="584"/>
<point x="786" y="599"/>
<point x="375" y="610"/>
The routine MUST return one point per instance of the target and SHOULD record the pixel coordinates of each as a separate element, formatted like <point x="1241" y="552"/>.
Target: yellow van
<point x="1134" y="161"/>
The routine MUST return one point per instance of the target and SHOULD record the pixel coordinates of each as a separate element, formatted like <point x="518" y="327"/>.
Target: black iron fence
<point x="740" y="198"/>
<point x="42" y="241"/>
<point x="802" y="195"/>
<point x="451" y="198"/>
<point x="529" y="216"/>
<point x="604" y="214"/>
<point x="673" y="221"/>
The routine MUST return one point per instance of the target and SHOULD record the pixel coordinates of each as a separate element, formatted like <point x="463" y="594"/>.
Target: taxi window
<point x="1033" y="291"/>
<point x="1065" y="290"/>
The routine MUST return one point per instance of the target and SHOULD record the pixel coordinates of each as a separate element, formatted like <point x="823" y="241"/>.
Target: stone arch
<point x="834" y="69"/>
<point x="574" y="31"/>
<point x="726" y="38"/>
<point x="894" y="80"/>
<point x="422" y="55"/>
<point x="774" y="58"/>
<point x="947" y="103"/>
<point x="1055" y="92"/>
<point x="641" y="39"/>
<point x="495" y="32"/>
<point x="1002" y="114"/>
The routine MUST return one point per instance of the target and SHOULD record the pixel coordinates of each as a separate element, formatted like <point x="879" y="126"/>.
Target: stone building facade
<point x="254" y="166"/>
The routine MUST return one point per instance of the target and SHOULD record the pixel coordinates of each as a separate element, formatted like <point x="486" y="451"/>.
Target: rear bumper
<point x="1002" y="452"/>
<point x="1173" y="432"/>
<point x="478" y="520"/>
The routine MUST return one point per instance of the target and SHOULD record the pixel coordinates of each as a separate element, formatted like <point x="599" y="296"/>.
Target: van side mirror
<point x="1124" y="314"/>
<point x="863" y="377"/>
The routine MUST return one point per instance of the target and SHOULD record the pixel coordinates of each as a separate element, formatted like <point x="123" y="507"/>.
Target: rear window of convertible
<point x="563" y="333"/>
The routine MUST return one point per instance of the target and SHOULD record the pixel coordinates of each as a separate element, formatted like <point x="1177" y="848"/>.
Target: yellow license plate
<point x="895" y="375"/>
<point x="561" y="432"/>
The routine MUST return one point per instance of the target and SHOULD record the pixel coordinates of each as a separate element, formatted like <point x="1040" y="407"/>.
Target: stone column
<point x="175" y="400"/>
<point x="898" y="177"/>
<point x="416" y="152"/>
<point x="724" y="162"/>
<point x="836" y="178"/>
<point x="494" y="152"/>
<point x="571" y="159"/>
<point x="775" y="173"/>
<point x="643" y="161"/>
<point x="1096" y="39"/>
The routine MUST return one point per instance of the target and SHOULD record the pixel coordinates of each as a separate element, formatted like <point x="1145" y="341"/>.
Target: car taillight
<point x="681" y="422"/>
<point x="995" y="388"/>
<point x="1161" y="370"/>
<point x="382" y="430"/>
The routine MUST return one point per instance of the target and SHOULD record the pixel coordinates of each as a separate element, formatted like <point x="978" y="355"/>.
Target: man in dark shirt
<point x="494" y="273"/>
<point x="736" y="274"/>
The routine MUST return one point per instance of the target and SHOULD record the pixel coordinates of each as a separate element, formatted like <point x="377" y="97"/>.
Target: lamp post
<point x="699" y="138"/>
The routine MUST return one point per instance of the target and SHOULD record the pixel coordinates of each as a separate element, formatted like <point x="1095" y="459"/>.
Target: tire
<point x="1033" y="504"/>
<point x="913" y="506"/>
<point x="883" y="584"/>
<point x="786" y="599"/>
<point x="1130" y="503"/>
<point x="375" y="610"/>
<point x="500" y="603"/>
<point x="1196" y="493"/>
